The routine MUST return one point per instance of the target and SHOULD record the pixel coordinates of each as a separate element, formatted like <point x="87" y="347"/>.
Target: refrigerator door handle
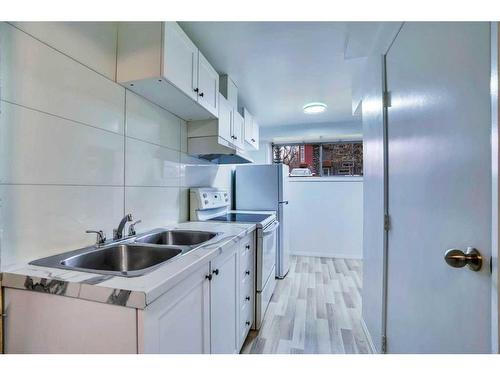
<point x="283" y="202"/>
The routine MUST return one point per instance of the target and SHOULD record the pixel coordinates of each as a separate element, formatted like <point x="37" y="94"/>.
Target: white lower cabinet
<point x="178" y="321"/>
<point x="211" y="311"/>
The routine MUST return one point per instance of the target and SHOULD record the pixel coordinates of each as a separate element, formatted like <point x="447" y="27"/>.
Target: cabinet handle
<point x="216" y="271"/>
<point x="235" y="137"/>
<point x="208" y="277"/>
<point x="253" y="140"/>
<point x="196" y="89"/>
<point x="247" y="298"/>
<point x="247" y="247"/>
<point x="247" y="322"/>
<point x="247" y="272"/>
<point x="201" y="94"/>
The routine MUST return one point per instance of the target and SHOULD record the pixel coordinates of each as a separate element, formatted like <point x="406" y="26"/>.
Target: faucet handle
<point x="131" y="228"/>
<point x="101" y="237"/>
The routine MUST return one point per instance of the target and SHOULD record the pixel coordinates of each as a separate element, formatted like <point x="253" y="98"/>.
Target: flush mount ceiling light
<point x="312" y="108"/>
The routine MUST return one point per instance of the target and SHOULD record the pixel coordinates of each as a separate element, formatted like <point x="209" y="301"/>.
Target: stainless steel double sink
<point x="130" y="257"/>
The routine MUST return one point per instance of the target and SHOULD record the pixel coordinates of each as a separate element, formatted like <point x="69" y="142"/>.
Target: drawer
<point x="246" y="320"/>
<point x="247" y="262"/>
<point x="247" y="290"/>
<point x="246" y="284"/>
<point x="246" y="253"/>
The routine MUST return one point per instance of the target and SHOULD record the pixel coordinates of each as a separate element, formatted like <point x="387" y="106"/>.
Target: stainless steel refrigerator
<point x="263" y="188"/>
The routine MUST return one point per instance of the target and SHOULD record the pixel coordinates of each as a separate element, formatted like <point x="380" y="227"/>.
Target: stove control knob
<point x="227" y="199"/>
<point x="206" y="201"/>
<point x="204" y="195"/>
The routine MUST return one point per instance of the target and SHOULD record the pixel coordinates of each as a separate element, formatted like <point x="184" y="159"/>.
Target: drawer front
<point x="247" y="258"/>
<point x="246" y="320"/>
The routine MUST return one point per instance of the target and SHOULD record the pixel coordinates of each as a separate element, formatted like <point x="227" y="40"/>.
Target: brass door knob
<point x="457" y="258"/>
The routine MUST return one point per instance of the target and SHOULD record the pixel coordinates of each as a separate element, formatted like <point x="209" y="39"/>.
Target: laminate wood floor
<point x="316" y="309"/>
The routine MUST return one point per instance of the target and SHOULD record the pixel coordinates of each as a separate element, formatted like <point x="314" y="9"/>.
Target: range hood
<point x="216" y="150"/>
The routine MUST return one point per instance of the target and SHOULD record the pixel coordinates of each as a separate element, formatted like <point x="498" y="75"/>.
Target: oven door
<point x="266" y="253"/>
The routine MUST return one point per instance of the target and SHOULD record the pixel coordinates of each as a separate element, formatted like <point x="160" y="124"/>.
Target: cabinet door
<point x="208" y="85"/>
<point x="179" y="321"/>
<point x="180" y="59"/>
<point x="225" y="119"/>
<point x="255" y="138"/>
<point x="224" y="303"/>
<point x="238" y="130"/>
<point x="248" y="126"/>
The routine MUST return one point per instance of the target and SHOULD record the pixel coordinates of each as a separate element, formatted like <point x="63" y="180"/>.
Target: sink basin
<point x="131" y="257"/>
<point x="122" y="258"/>
<point x="177" y="237"/>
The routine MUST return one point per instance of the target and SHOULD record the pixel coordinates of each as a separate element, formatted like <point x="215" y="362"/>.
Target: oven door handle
<point x="273" y="227"/>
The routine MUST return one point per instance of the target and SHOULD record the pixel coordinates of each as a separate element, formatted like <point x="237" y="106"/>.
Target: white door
<point x="208" y="85"/>
<point x="238" y="130"/>
<point x="180" y="59"/>
<point x="439" y="187"/>
<point x="224" y="303"/>
<point x="179" y="321"/>
<point x="225" y="119"/>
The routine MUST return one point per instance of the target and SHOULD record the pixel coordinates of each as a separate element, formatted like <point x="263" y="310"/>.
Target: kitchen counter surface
<point x="136" y="292"/>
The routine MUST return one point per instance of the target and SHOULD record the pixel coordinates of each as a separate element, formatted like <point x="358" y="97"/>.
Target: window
<point x="322" y="159"/>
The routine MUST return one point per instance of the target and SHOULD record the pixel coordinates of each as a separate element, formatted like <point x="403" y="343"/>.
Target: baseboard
<point x="324" y="255"/>
<point x="368" y="337"/>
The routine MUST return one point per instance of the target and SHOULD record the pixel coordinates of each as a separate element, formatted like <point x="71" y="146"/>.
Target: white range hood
<point x="217" y="150"/>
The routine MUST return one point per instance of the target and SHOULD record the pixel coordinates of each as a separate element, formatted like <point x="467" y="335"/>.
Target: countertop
<point x="135" y="292"/>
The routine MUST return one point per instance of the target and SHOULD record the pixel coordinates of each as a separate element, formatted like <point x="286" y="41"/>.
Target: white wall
<point x="78" y="150"/>
<point x="326" y="216"/>
<point x="263" y="154"/>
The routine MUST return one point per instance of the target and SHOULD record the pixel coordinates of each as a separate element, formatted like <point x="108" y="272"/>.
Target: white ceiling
<point x="280" y="66"/>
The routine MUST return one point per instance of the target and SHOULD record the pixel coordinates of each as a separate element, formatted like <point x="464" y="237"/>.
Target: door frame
<point x="495" y="187"/>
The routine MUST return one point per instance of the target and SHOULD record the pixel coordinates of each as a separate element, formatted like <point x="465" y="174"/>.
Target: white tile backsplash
<point x="91" y="43"/>
<point x="69" y="162"/>
<point x="50" y="150"/>
<point x="155" y="206"/>
<point x="150" y="165"/>
<point x="41" y="220"/>
<point x="148" y="122"/>
<point x="39" y="77"/>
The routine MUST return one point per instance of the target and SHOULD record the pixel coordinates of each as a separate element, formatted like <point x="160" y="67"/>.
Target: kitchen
<point x="187" y="187"/>
<point x="161" y="158"/>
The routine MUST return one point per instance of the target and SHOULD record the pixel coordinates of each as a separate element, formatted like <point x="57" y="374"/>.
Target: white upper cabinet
<point x="255" y="138"/>
<point x="229" y="89"/>
<point x="225" y="120"/>
<point x="251" y="131"/>
<point x="248" y="126"/>
<point x="180" y="60"/>
<point x="158" y="61"/>
<point x="208" y="85"/>
<point x="238" y="130"/>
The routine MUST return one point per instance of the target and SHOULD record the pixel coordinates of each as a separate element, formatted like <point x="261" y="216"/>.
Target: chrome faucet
<point x="131" y="228"/>
<point x="118" y="232"/>
<point x="101" y="237"/>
